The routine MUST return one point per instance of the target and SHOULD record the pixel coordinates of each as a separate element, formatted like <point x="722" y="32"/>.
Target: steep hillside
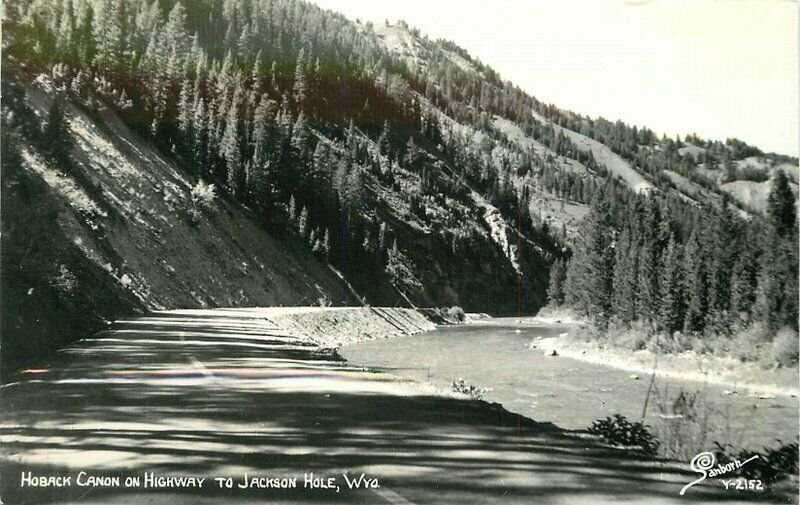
<point x="124" y="233"/>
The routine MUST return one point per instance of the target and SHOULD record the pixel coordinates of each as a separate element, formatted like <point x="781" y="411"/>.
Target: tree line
<point x="682" y="269"/>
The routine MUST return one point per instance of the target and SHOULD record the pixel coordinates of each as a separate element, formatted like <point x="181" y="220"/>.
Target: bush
<point x="785" y="347"/>
<point x="634" y="337"/>
<point x="683" y="423"/>
<point x="460" y="386"/>
<point x="202" y="198"/>
<point x="203" y="195"/>
<point x="668" y="344"/>
<point x="618" y="430"/>
<point x="772" y="465"/>
<point x="456" y="313"/>
<point x="748" y="344"/>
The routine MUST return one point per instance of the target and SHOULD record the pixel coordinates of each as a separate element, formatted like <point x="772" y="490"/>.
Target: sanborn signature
<point x="703" y="464"/>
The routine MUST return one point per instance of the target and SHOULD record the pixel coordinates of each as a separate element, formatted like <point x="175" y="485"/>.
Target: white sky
<point x="720" y="68"/>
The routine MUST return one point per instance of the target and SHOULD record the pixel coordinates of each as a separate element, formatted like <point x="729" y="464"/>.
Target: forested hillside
<point x="410" y="171"/>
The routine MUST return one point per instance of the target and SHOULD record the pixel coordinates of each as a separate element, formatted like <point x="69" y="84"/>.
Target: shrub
<point x="634" y="337"/>
<point x="64" y="282"/>
<point x="771" y="465"/>
<point x="748" y="344"/>
<point x="618" y="430"/>
<point x="456" y="313"/>
<point x="202" y="198"/>
<point x="683" y="423"/>
<point x="785" y="347"/>
<point x="668" y="344"/>
<point x="203" y="195"/>
<point x="460" y="386"/>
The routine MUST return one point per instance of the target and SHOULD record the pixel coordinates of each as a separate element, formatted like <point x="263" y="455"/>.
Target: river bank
<point x="740" y="378"/>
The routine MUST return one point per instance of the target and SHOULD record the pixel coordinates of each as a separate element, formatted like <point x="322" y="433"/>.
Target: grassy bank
<point x="740" y="363"/>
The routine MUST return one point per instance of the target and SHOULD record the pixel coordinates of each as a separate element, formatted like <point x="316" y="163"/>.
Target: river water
<point x="571" y="393"/>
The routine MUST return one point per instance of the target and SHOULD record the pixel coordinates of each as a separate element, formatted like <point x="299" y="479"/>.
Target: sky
<point x="717" y="68"/>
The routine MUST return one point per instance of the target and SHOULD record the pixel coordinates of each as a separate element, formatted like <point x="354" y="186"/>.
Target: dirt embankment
<point x="333" y="327"/>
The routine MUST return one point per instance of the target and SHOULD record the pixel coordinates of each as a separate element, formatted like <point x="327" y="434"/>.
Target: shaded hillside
<point x="117" y="230"/>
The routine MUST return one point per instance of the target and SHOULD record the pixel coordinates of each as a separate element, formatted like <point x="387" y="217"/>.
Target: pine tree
<point x="200" y="137"/>
<point x="300" y="87"/>
<point x="382" y="238"/>
<point x="648" y="292"/>
<point x="695" y="287"/>
<point x="720" y="246"/>
<point x="671" y="309"/>
<point x="302" y="223"/>
<point x="262" y="118"/>
<point x="292" y="224"/>
<point x="185" y="115"/>
<point x="555" y="290"/>
<point x="87" y="48"/>
<point x="744" y="281"/>
<point x="589" y="275"/>
<point x="176" y="41"/>
<point x="108" y="32"/>
<point x="625" y="283"/>
<point x="230" y="149"/>
<point x="777" y="293"/>
<point x="56" y="134"/>
<point x="326" y="244"/>
<point x="781" y="205"/>
<point x="67" y="33"/>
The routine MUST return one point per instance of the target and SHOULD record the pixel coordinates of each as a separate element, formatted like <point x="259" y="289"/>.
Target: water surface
<point x="567" y="392"/>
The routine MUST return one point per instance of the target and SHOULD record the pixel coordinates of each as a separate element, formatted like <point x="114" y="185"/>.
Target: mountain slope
<point x="128" y="242"/>
<point x="350" y="163"/>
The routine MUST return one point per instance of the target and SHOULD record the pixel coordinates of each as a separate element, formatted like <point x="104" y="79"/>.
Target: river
<point x="571" y="393"/>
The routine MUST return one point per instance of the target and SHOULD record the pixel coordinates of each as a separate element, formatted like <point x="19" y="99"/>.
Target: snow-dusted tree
<point x="302" y="223"/>
<point x="262" y="119"/>
<point x="199" y="136"/>
<point x="292" y="214"/>
<point x="254" y="95"/>
<point x="300" y="87"/>
<point x="382" y="238"/>
<point x="177" y="41"/>
<point x="67" y="33"/>
<point x="185" y="113"/>
<point x="110" y="34"/>
<point x="300" y="136"/>
<point x="229" y="147"/>
<point x="326" y="243"/>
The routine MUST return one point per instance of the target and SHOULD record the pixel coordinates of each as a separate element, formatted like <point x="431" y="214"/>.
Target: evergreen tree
<point x="744" y="281"/>
<point x="555" y="290"/>
<point x="56" y="134"/>
<point x="302" y="223"/>
<point x="326" y="244"/>
<point x="781" y="205"/>
<point x="109" y="35"/>
<point x="185" y="116"/>
<point x="625" y="283"/>
<point x="589" y="276"/>
<point x="777" y="293"/>
<point x="230" y="149"/>
<point x="670" y="285"/>
<point x="300" y="87"/>
<point x="695" y="287"/>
